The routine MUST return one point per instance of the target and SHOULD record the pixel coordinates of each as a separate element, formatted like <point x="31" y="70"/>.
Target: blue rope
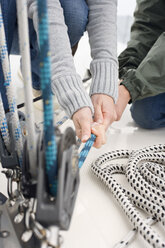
<point x="84" y="153"/>
<point x="45" y="78"/>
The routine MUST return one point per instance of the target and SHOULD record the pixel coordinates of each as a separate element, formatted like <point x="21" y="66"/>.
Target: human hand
<point x="82" y="121"/>
<point x="104" y="109"/>
<point x="84" y="125"/>
<point x="123" y="99"/>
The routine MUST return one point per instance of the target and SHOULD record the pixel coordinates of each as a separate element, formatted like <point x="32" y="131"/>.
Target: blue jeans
<point x="149" y="113"/>
<point x="76" y="18"/>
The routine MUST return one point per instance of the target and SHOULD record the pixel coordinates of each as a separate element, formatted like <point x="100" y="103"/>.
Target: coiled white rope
<point x="10" y="89"/>
<point x="131" y="235"/>
<point x="4" y="126"/>
<point x="145" y="172"/>
<point x="26" y="71"/>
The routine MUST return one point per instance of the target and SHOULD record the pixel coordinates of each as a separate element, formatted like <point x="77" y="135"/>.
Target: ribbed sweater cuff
<point x="104" y="78"/>
<point x="71" y="94"/>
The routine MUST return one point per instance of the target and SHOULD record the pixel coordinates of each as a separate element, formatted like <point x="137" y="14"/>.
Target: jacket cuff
<point x="104" y="78"/>
<point x="130" y="81"/>
<point x="71" y="94"/>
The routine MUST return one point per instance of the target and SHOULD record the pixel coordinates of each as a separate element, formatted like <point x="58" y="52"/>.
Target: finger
<point x="98" y="116"/>
<point x="82" y="121"/>
<point x="103" y="137"/>
<point x="104" y="140"/>
<point x="98" y="141"/>
<point x="107" y="120"/>
<point x="115" y="115"/>
<point x="85" y="130"/>
<point x="78" y="133"/>
<point x="99" y="131"/>
<point x="77" y="128"/>
<point x="118" y="112"/>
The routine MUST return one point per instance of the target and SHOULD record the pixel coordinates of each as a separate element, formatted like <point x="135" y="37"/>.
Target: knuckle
<point x="118" y="118"/>
<point x="108" y="114"/>
<point x="86" y="130"/>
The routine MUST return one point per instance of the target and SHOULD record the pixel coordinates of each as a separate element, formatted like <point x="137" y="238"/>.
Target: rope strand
<point x="84" y="152"/>
<point x="45" y="78"/>
<point x="10" y="89"/>
<point x="4" y="126"/>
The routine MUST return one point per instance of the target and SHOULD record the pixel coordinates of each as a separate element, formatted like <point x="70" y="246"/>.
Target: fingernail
<point x="94" y="129"/>
<point x="94" y="124"/>
<point x="100" y="121"/>
<point x="85" y="137"/>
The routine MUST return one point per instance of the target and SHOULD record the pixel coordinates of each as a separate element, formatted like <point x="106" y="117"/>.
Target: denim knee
<point x="144" y="115"/>
<point x="76" y="18"/>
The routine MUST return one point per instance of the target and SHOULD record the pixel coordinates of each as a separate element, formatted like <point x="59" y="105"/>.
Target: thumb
<point x="98" y="116"/>
<point x="107" y="120"/>
<point x="115" y="115"/>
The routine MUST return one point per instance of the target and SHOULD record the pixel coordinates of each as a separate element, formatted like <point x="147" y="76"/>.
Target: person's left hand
<point x="104" y="108"/>
<point x="84" y="126"/>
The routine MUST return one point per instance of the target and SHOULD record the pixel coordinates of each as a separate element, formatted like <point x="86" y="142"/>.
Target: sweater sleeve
<point x="102" y="29"/>
<point x="66" y="83"/>
<point x="148" y="79"/>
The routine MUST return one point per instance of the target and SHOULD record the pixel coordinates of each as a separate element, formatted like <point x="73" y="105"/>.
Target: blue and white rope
<point x="145" y="172"/>
<point x="131" y="235"/>
<point x="4" y="126"/>
<point x="88" y="145"/>
<point x="62" y="121"/>
<point x="10" y="89"/>
<point x="45" y="78"/>
<point x="84" y="153"/>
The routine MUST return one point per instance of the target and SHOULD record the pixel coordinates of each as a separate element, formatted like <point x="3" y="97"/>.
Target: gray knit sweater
<point x="66" y="83"/>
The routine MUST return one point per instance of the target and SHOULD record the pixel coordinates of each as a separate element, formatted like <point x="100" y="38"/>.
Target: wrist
<point x="84" y="110"/>
<point x="98" y="98"/>
<point x="124" y="92"/>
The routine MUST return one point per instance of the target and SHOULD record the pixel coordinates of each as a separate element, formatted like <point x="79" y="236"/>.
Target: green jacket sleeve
<point x="149" y="78"/>
<point x="141" y="65"/>
<point x="148" y="25"/>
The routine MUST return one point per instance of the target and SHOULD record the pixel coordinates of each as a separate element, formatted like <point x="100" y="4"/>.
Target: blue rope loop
<point x="45" y="79"/>
<point x="84" y="153"/>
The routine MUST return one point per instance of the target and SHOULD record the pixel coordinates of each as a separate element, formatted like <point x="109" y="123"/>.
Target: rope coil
<point x="145" y="171"/>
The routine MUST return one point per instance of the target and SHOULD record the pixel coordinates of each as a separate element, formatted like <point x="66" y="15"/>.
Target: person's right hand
<point x="100" y="131"/>
<point x="104" y="107"/>
<point x="84" y="125"/>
